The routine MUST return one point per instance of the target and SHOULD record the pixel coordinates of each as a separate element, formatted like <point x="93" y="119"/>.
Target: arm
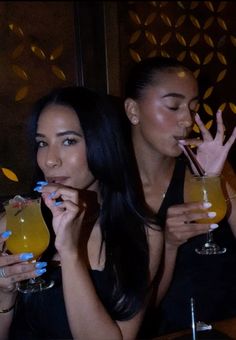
<point x="85" y="310"/>
<point x="179" y="228"/>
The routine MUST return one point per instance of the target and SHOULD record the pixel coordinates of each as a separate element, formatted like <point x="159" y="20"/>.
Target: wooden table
<point x="228" y="327"/>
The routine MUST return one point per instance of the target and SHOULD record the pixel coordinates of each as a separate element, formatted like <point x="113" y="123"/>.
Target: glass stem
<point x="209" y="237"/>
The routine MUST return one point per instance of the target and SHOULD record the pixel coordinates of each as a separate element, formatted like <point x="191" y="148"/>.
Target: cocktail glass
<point x="208" y="189"/>
<point x="29" y="234"/>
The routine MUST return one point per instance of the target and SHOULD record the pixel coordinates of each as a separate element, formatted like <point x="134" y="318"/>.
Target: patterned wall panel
<point x="201" y="34"/>
<point x="36" y="55"/>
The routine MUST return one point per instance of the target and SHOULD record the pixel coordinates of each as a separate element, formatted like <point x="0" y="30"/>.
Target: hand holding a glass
<point x="179" y="226"/>
<point x="207" y="165"/>
<point x="16" y="268"/>
<point x="208" y="189"/>
<point x="29" y="234"/>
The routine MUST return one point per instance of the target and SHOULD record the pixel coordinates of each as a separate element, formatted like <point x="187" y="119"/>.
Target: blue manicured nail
<point x="26" y="256"/>
<point x="40" y="271"/>
<point x="52" y="194"/>
<point x="40" y="265"/>
<point x="6" y="234"/>
<point x="57" y="203"/>
<point x="42" y="183"/>
<point x="38" y="188"/>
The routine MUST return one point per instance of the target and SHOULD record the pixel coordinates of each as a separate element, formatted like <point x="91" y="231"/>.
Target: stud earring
<point x="134" y="120"/>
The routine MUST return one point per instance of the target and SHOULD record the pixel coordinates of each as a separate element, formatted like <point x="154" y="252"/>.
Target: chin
<point x="175" y="152"/>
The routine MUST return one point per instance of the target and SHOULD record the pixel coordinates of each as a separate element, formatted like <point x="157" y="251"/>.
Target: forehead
<point x="58" y="116"/>
<point x="175" y="80"/>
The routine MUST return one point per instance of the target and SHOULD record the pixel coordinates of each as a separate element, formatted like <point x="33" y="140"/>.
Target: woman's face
<point x="165" y="111"/>
<point x="61" y="153"/>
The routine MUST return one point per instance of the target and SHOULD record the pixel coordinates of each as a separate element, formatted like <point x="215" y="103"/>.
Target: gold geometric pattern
<point x="198" y="33"/>
<point x="39" y="53"/>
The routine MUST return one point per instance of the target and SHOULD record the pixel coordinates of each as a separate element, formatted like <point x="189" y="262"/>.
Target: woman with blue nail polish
<point x="104" y="238"/>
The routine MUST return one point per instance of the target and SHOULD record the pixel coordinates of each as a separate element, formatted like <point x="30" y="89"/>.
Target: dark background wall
<point x="50" y="44"/>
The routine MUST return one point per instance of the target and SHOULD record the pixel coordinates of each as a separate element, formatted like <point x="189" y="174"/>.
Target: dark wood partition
<point x="37" y="54"/>
<point x="94" y="43"/>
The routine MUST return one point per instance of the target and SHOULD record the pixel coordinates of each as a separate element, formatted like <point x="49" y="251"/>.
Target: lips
<point x="57" y="180"/>
<point x="179" y="137"/>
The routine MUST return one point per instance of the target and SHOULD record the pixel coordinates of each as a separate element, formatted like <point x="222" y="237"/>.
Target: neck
<point x="153" y="165"/>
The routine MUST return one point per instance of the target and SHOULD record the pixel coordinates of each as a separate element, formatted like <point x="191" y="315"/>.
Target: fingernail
<point x="6" y="234"/>
<point x="214" y="226"/>
<point x="211" y="214"/>
<point x="207" y="205"/>
<point x="40" y="265"/>
<point x="182" y="141"/>
<point x="41" y="183"/>
<point x="26" y="256"/>
<point x="52" y="194"/>
<point x="38" y="188"/>
<point x="56" y="204"/>
<point x="40" y="271"/>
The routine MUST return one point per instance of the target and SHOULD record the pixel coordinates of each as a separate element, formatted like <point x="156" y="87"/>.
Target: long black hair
<point x="122" y="214"/>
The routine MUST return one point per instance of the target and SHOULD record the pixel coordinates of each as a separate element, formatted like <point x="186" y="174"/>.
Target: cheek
<point x="76" y="160"/>
<point x="159" y="120"/>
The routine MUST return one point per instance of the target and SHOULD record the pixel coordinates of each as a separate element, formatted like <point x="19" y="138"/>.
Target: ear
<point x="132" y="111"/>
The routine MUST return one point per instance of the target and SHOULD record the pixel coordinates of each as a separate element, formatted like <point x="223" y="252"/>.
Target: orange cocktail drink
<point x="29" y="231"/>
<point x="208" y="189"/>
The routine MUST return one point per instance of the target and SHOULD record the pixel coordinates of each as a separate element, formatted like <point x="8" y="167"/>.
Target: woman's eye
<point x="173" y="108"/>
<point x="69" y="141"/>
<point x="41" y="144"/>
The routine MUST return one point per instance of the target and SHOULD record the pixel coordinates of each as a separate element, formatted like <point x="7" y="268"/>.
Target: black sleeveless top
<point x="42" y="315"/>
<point x="211" y="280"/>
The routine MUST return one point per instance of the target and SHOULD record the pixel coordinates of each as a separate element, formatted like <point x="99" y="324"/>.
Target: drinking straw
<point x="193" y="319"/>
<point x="193" y="159"/>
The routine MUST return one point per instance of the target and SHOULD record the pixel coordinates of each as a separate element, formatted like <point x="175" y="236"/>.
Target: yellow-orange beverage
<point x="208" y="189"/>
<point x="29" y="231"/>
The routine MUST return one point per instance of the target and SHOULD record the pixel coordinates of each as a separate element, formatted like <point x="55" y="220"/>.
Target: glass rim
<point x="206" y="176"/>
<point x="26" y="198"/>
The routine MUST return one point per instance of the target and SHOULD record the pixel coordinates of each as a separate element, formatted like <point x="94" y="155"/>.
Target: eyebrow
<point x="64" y="133"/>
<point x="178" y="95"/>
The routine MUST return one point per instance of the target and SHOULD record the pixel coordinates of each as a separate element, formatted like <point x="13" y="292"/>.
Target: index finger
<point x="179" y="209"/>
<point x="7" y="259"/>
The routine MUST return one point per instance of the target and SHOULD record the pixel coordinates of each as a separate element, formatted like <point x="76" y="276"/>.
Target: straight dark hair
<point x="145" y="72"/>
<point x="122" y="215"/>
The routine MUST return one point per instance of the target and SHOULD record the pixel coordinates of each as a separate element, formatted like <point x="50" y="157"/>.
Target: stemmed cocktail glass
<point x="29" y="234"/>
<point x="208" y="189"/>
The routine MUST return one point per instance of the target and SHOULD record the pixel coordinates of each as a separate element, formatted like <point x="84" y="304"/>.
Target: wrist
<point x="7" y="304"/>
<point x="171" y="247"/>
<point x="7" y="310"/>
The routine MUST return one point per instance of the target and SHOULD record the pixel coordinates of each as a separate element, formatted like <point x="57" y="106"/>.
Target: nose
<point x="185" y="118"/>
<point x="53" y="158"/>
